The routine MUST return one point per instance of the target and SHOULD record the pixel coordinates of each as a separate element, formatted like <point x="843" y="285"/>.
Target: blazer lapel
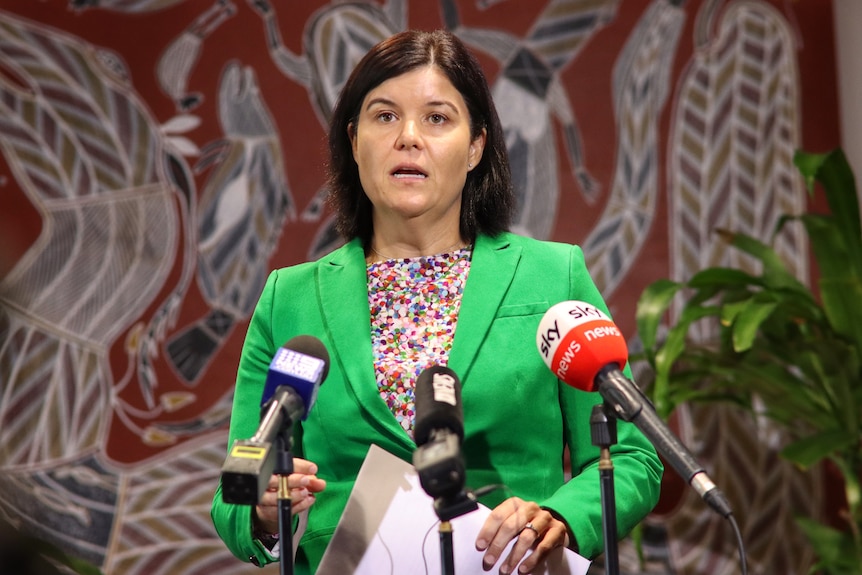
<point x="491" y="272"/>
<point x="344" y="300"/>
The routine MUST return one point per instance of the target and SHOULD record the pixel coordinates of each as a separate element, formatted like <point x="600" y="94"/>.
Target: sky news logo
<point x="586" y="311"/>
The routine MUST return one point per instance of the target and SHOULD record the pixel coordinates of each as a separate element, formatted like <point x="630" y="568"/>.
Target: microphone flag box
<point x="297" y="370"/>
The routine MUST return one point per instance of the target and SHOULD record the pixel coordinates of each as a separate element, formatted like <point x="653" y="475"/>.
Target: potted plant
<point x="789" y="352"/>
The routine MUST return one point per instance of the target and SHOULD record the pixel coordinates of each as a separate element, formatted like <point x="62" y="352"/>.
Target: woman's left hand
<point x="532" y="528"/>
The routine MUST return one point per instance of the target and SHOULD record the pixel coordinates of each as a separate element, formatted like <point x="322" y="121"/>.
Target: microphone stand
<point x="440" y="466"/>
<point x="448" y="508"/>
<point x="283" y="468"/>
<point x="447" y="553"/>
<point x="603" y="430"/>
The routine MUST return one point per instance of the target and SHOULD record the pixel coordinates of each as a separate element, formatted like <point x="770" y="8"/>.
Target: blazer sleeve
<point x="637" y="467"/>
<point x="233" y="522"/>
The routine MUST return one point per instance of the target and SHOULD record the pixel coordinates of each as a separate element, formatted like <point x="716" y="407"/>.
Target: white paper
<point x="389" y="526"/>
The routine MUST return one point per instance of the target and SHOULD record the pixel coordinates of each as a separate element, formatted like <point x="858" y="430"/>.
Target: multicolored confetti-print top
<point x="414" y="309"/>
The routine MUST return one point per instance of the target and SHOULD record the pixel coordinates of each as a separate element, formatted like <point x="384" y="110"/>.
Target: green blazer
<point x="517" y="416"/>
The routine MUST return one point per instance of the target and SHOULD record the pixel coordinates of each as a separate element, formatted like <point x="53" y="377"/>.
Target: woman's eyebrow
<point x="388" y="102"/>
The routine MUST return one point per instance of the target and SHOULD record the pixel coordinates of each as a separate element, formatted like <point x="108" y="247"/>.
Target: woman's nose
<point x="409" y="137"/>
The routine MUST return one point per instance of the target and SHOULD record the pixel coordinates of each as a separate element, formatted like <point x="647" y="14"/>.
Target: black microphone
<point x="438" y="431"/>
<point x="586" y="350"/>
<point x="437" y="397"/>
<point x="294" y="377"/>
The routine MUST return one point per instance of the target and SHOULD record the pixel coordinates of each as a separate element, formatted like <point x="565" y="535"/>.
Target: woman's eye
<point x="386" y="117"/>
<point x="436" y="118"/>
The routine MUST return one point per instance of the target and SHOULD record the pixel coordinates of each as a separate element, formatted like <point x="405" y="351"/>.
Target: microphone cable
<point x="739" y="543"/>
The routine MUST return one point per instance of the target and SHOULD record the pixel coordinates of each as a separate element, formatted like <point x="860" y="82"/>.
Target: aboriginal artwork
<point x="159" y="157"/>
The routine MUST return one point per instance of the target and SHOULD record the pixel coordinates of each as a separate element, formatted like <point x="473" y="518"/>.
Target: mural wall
<point x="159" y="157"/>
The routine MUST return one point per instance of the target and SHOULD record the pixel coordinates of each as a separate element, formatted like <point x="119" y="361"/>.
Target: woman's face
<point x="412" y="145"/>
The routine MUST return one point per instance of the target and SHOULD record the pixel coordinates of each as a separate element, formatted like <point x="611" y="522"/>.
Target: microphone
<point x="586" y="350"/>
<point x="438" y="431"/>
<point x="295" y="374"/>
<point x="301" y="365"/>
<point x="437" y="398"/>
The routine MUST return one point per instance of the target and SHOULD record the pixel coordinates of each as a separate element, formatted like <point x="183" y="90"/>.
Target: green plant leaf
<point x="840" y="282"/>
<point x="673" y="346"/>
<point x="835" y="550"/>
<point x="808" y="451"/>
<point x="775" y="273"/>
<point x="747" y="322"/>
<point x="730" y="310"/>
<point x="849" y="467"/>
<point x="723" y="278"/>
<point x="809" y="164"/>
<point x="651" y="308"/>
<point x="832" y="367"/>
<point x="835" y="174"/>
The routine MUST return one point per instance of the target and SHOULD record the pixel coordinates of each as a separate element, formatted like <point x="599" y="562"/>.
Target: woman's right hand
<point x="303" y="485"/>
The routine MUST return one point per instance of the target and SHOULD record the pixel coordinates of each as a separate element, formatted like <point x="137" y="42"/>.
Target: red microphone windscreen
<point x="576" y="340"/>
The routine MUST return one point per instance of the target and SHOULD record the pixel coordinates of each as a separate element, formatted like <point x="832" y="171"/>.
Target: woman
<point x="421" y="189"/>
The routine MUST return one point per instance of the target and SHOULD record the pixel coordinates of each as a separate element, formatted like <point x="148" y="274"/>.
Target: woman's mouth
<point x="404" y="172"/>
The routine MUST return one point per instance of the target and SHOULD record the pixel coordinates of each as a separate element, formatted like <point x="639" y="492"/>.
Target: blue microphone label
<point x="298" y="365"/>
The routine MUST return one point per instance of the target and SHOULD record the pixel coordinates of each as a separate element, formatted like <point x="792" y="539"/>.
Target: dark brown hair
<point x="488" y="200"/>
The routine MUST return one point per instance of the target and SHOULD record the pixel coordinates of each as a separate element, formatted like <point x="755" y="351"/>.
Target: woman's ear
<point x="351" y="133"/>
<point x="477" y="148"/>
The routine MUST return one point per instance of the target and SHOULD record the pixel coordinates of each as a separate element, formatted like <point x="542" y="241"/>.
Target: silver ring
<point x="529" y="525"/>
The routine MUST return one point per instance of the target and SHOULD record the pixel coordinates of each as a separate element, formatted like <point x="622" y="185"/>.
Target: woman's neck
<point x="411" y="252"/>
<point x="399" y="246"/>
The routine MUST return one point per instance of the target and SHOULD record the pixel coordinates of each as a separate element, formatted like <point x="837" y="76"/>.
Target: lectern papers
<point x="389" y="527"/>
